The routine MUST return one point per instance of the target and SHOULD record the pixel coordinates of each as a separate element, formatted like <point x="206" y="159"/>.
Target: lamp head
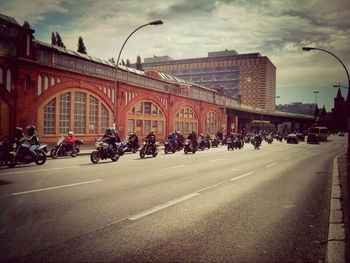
<point x="308" y="48"/>
<point x="156" y="22"/>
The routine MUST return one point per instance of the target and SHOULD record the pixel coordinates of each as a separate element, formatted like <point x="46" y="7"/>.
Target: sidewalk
<point x="338" y="245"/>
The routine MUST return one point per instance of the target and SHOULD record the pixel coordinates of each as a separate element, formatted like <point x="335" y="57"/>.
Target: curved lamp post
<point x="153" y="23"/>
<point x="347" y="74"/>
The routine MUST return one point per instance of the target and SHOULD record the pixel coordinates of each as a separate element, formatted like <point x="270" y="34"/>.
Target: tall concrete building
<point x="252" y="77"/>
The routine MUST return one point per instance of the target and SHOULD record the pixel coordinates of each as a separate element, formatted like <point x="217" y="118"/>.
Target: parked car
<point x="292" y="138"/>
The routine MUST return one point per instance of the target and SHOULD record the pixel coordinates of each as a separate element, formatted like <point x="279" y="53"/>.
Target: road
<point x="267" y="205"/>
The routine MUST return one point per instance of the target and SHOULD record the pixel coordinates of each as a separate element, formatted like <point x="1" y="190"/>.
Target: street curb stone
<point x="335" y="251"/>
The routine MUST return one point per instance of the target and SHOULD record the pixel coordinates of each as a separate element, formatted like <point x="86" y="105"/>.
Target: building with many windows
<point x="251" y="76"/>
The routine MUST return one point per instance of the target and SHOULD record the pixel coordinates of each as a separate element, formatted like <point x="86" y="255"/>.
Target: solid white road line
<point x="173" y="167"/>
<point x="215" y="160"/>
<point x="212" y="186"/>
<point x="241" y="176"/>
<point x="163" y="206"/>
<point x="286" y="158"/>
<point x="270" y="165"/>
<point x="56" y="187"/>
<point x="41" y="170"/>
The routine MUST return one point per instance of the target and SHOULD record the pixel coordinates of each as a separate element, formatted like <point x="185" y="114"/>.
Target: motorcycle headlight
<point x="14" y="145"/>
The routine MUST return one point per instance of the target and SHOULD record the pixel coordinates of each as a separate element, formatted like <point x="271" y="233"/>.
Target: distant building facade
<point x="297" y="107"/>
<point x="252" y="77"/>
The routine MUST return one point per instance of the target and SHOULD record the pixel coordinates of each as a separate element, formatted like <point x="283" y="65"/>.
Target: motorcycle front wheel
<point x="115" y="157"/>
<point x="41" y="158"/>
<point x="142" y="153"/>
<point x="95" y="157"/>
<point x="74" y="153"/>
<point x="54" y="153"/>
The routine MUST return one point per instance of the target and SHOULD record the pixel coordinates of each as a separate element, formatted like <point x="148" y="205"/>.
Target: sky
<point x="277" y="29"/>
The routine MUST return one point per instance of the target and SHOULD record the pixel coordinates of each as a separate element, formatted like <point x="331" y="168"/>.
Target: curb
<point x="335" y="251"/>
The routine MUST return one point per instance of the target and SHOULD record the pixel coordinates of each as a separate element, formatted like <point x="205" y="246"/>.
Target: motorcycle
<point x="269" y="139"/>
<point x="230" y="145"/>
<point x="102" y="152"/>
<point x="256" y="142"/>
<point x="215" y="142"/>
<point x="149" y="148"/>
<point x="238" y="143"/>
<point x="61" y="149"/>
<point x="169" y="146"/>
<point x="189" y="147"/>
<point x="6" y="146"/>
<point x="22" y="154"/>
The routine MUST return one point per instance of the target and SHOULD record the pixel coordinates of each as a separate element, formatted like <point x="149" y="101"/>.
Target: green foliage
<point x="59" y="41"/>
<point x="111" y="60"/>
<point x="128" y="64"/>
<point x="138" y="63"/>
<point x="53" y="39"/>
<point x="81" y="46"/>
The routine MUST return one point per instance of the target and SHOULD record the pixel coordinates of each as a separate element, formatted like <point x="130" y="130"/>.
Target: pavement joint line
<point x="162" y="206"/>
<point x="56" y="187"/>
<point x="42" y="170"/>
<point x="271" y="164"/>
<point x="241" y="176"/>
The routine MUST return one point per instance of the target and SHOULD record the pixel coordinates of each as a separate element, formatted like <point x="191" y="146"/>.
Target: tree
<point x="122" y="63"/>
<point x="128" y="63"/>
<point x="138" y="63"/>
<point x="59" y="41"/>
<point x="53" y="39"/>
<point x="111" y="60"/>
<point x="26" y="24"/>
<point x="81" y="46"/>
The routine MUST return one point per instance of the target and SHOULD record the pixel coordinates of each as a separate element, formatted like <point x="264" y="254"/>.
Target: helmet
<point x="151" y="132"/>
<point x="18" y="130"/>
<point x="70" y="133"/>
<point x="30" y="129"/>
<point x="108" y="130"/>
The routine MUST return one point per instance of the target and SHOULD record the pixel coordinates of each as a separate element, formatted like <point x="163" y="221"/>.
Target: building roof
<point x="9" y="19"/>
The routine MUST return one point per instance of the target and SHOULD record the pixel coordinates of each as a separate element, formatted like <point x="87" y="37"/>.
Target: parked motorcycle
<point x="189" y="147"/>
<point x="21" y="154"/>
<point x="6" y="146"/>
<point x="169" y="146"/>
<point x="149" y="148"/>
<point x="61" y="149"/>
<point x="102" y="152"/>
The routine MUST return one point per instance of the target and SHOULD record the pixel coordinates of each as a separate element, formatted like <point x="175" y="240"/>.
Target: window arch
<point x="8" y="80"/>
<point x="186" y="121"/>
<point x="144" y="117"/>
<point x="81" y="112"/>
<point x="212" y="123"/>
<point x="39" y="84"/>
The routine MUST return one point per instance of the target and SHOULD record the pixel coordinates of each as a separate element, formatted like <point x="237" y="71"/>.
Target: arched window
<point x="52" y="81"/>
<point x="46" y="83"/>
<point x="50" y="117"/>
<point x="39" y="84"/>
<point x="70" y="109"/>
<point x="144" y="117"/>
<point x="8" y="80"/>
<point x="186" y="121"/>
<point x="1" y="77"/>
<point x="212" y="123"/>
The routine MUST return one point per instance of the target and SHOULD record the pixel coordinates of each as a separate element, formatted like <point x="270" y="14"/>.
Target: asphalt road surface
<point x="267" y="205"/>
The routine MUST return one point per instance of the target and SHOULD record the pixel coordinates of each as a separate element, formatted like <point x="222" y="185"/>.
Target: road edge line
<point x="335" y="250"/>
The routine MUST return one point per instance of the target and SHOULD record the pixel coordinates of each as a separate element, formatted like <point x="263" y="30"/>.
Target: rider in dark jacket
<point x="151" y="138"/>
<point x="32" y="138"/>
<point x="110" y="139"/>
<point x="193" y="137"/>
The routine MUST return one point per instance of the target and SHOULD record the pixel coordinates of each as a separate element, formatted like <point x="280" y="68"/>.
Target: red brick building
<point x="59" y="90"/>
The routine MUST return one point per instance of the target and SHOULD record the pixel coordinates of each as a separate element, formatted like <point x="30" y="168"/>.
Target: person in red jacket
<point x="70" y="141"/>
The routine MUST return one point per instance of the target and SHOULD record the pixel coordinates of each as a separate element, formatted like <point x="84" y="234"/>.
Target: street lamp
<point x="339" y="86"/>
<point x="348" y="98"/>
<point x="153" y="23"/>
